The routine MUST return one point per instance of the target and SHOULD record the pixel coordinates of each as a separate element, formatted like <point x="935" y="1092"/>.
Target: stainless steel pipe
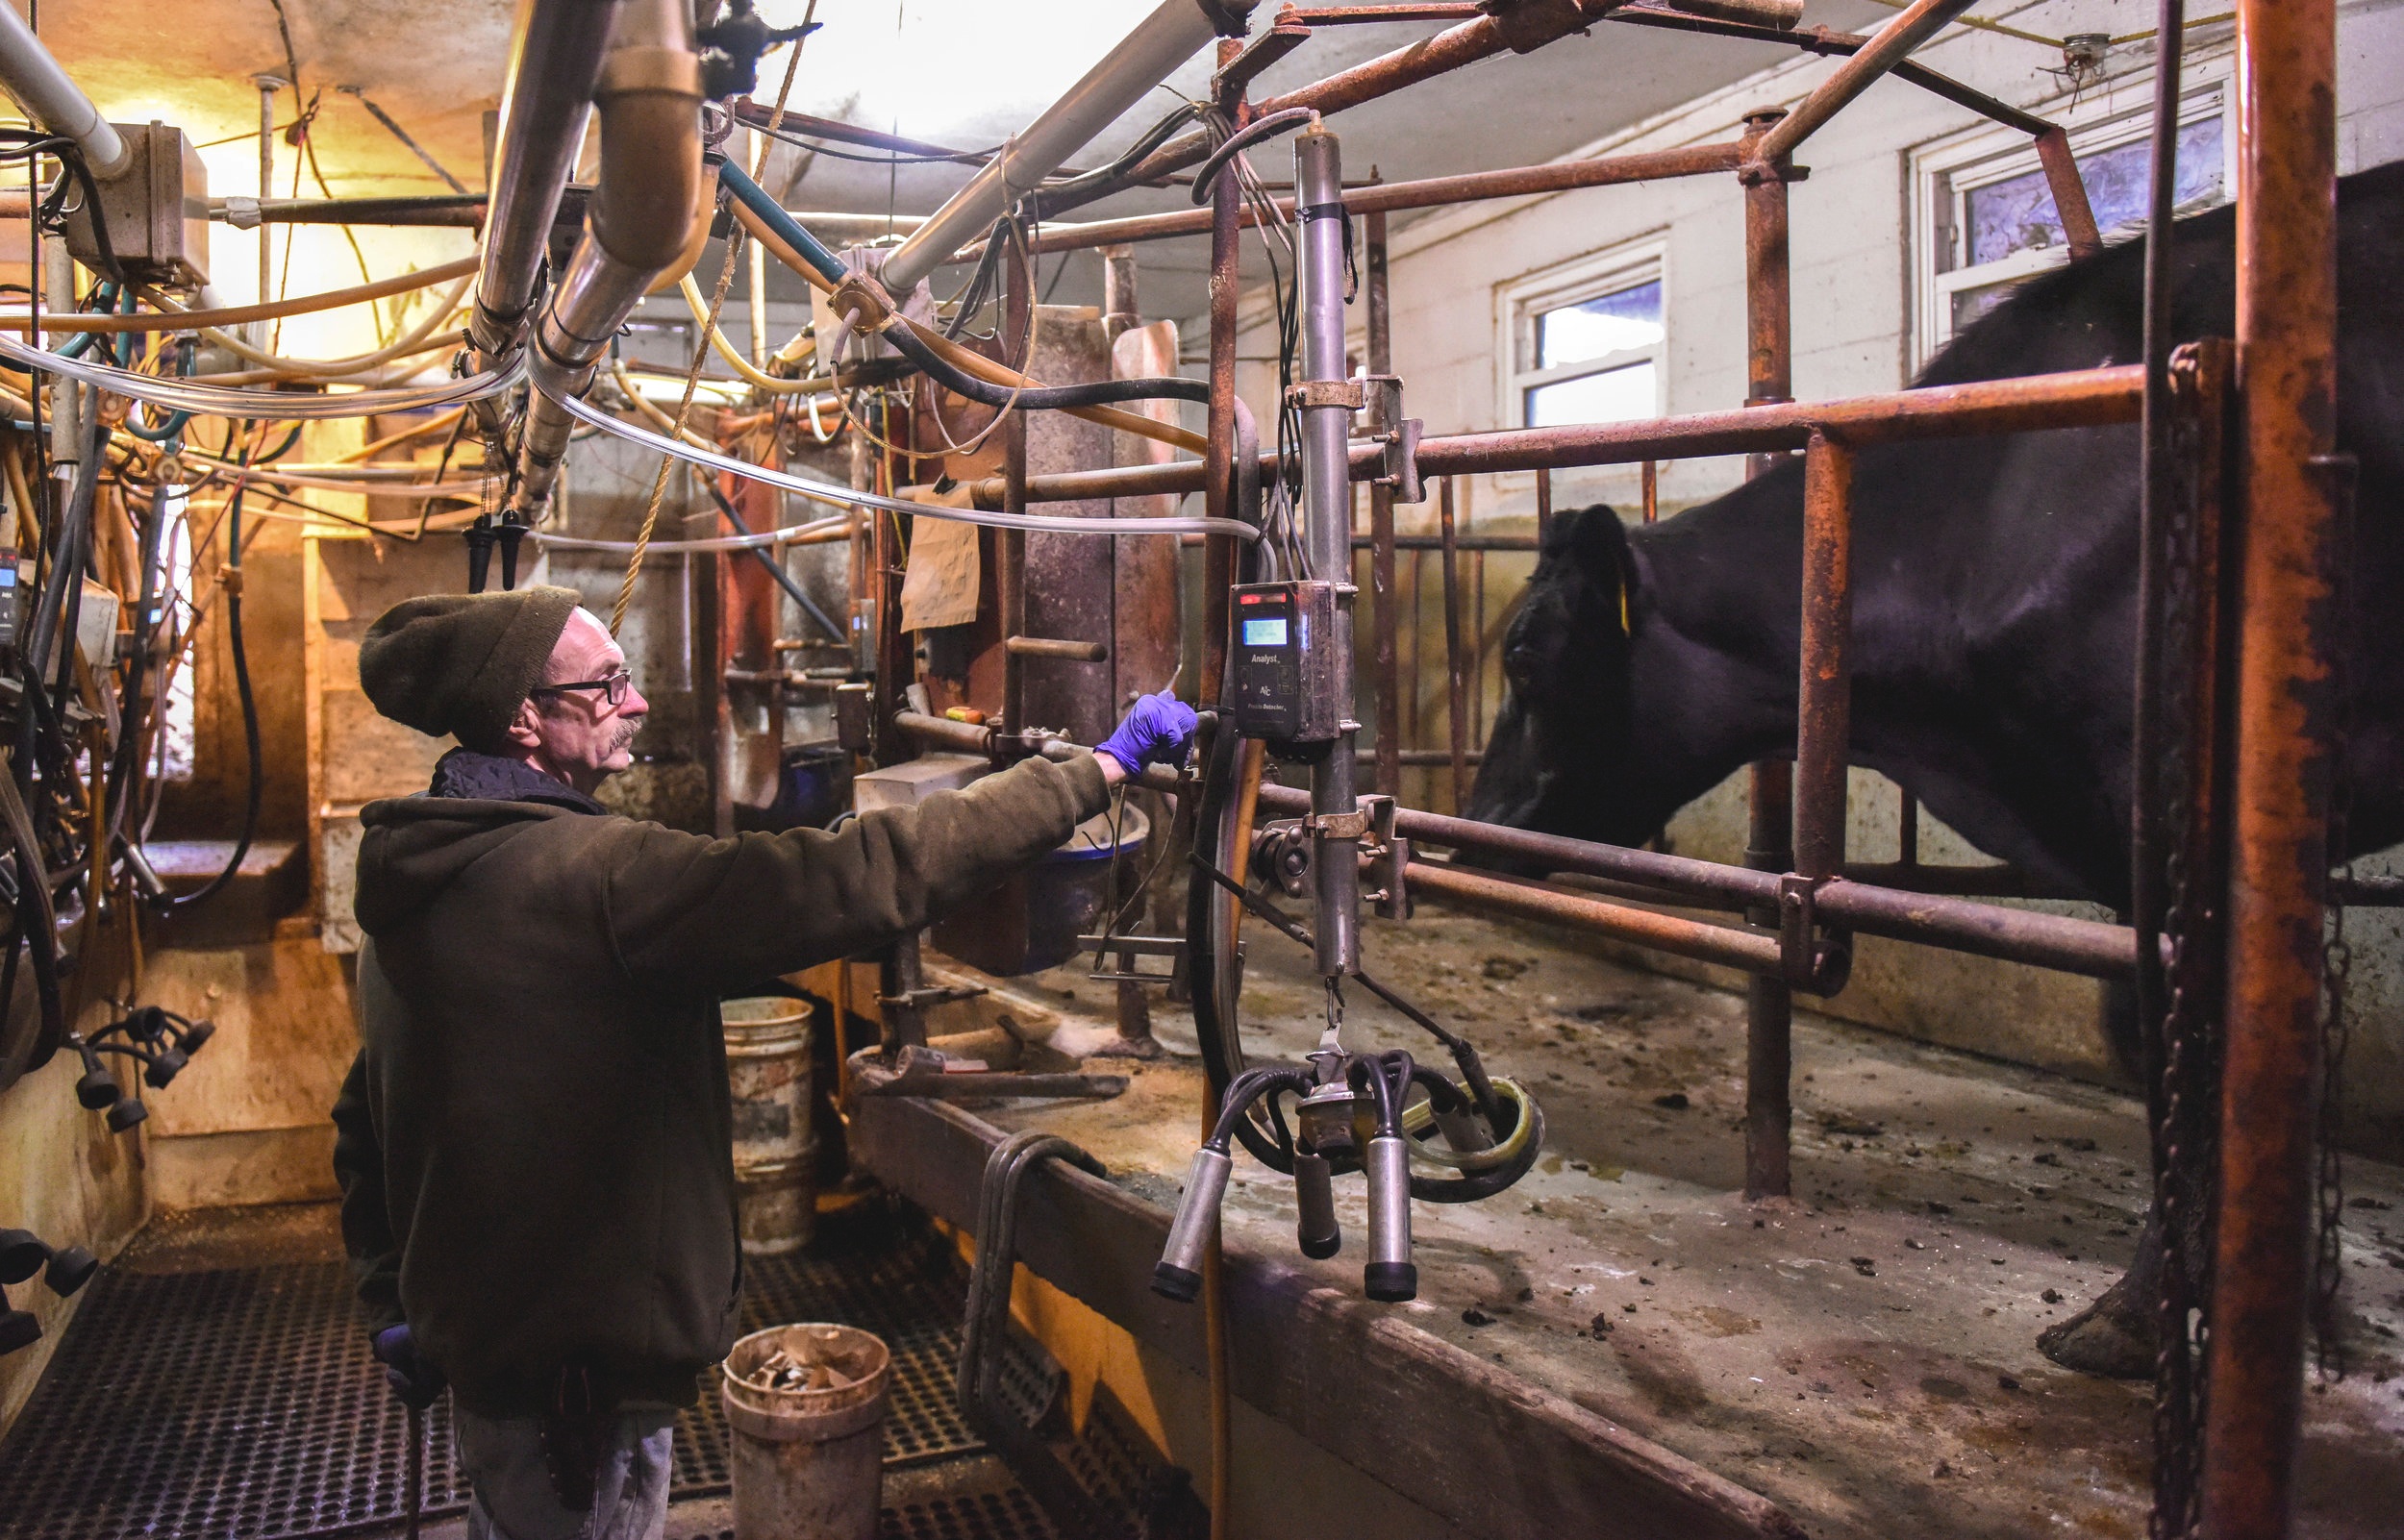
<point x="1172" y="34"/>
<point x="637" y="225"/>
<point x="54" y="100"/>
<point x="554" y="61"/>
<point x="1327" y="523"/>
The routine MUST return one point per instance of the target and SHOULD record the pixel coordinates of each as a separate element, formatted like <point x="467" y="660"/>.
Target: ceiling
<point x="963" y="73"/>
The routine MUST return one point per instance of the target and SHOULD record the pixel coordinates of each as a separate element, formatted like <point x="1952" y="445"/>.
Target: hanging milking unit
<point x="1289" y="687"/>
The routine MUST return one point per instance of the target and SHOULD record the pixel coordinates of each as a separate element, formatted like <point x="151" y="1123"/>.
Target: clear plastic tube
<point x="220" y="401"/>
<point x="835" y="496"/>
<point x="792" y="535"/>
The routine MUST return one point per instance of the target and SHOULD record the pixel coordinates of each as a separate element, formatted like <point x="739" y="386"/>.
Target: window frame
<point x="1944" y="174"/>
<point x="1521" y="302"/>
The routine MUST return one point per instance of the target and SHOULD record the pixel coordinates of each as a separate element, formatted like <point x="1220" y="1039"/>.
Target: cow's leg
<point x="2118" y="1334"/>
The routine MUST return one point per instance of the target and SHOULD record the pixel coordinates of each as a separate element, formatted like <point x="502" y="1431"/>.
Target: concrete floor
<point x="1863" y="1354"/>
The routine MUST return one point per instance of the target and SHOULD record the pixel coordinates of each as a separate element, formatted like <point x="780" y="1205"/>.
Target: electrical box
<point x="156" y="210"/>
<point x="1289" y="683"/>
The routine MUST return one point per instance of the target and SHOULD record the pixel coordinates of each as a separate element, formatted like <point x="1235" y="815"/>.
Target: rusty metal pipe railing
<point x="1824" y="706"/>
<point x="1075" y="652"/>
<point x="1449" y="50"/>
<point x="2286" y="713"/>
<point x="1395" y="197"/>
<point x="1755" y="952"/>
<point x="1456" y="684"/>
<point x="2072" y="945"/>
<point x="2042" y="940"/>
<point x="1770" y="785"/>
<point x="2069" y="193"/>
<point x="2079" y="398"/>
<point x="1887" y="48"/>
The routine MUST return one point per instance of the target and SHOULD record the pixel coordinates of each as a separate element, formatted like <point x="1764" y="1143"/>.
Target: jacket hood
<point x="414" y="846"/>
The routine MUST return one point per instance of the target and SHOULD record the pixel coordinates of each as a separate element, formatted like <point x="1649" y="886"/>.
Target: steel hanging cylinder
<point x="555" y="58"/>
<point x="1179" y="1274"/>
<point x="1172" y="34"/>
<point x="1389" y="1275"/>
<point x="639" y="222"/>
<point x="1327" y="531"/>
<point x="1316" y="1231"/>
<point x="55" y="101"/>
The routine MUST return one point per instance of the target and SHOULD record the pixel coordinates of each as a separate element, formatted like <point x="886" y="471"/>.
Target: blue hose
<point x="755" y="198"/>
<point x="75" y="346"/>
<point x="174" y="427"/>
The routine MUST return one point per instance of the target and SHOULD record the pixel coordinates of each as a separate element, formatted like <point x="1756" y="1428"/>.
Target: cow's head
<point x="1557" y="757"/>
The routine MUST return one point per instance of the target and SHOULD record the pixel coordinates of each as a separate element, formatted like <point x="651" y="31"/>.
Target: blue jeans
<point x="502" y="1459"/>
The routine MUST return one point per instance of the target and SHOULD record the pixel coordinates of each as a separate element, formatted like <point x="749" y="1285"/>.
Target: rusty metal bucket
<point x="806" y="1463"/>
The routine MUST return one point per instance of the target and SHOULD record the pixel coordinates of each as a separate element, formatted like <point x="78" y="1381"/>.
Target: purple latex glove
<point x="1154" y="732"/>
<point x="416" y="1382"/>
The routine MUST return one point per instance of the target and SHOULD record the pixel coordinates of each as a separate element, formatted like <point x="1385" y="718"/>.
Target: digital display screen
<point x="1267" y="631"/>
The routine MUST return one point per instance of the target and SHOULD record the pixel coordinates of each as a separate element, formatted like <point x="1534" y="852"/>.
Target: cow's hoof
<point x="2113" y="1337"/>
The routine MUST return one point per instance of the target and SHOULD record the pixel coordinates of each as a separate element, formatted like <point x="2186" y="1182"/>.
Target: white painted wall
<point x="1854" y="248"/>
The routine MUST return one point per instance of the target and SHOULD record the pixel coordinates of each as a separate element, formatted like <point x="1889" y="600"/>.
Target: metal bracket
<point x="1809" y="960"/>
<point x="1388" y="856"/>
<point x="1353" y="825"/>
<point x="1398" y="434"/>
<point x="865" y="300"/>
<point x="920" y="1071"/>
<point x="1795" y="916"/>
<point x="1309" y="393"/>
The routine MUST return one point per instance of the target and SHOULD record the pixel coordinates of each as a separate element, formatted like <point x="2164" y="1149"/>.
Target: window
<point x="1587" y="343"/>
<point x="1985" y="214"/>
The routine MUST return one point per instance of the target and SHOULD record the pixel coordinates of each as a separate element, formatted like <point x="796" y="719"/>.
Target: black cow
<point x="1994" y="612"/>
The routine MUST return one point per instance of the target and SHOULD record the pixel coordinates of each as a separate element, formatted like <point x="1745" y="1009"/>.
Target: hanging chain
<point x="2337" y="963"/>
<point x="2186" y="1047"/>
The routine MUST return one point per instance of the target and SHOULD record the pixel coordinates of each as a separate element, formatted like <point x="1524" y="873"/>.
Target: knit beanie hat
<point x="462" y="664"/>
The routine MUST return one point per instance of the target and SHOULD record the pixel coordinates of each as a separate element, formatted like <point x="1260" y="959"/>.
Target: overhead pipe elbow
<point x="556" y="54"/>
<point x="52" y="99"/>
<point x="640" y="223"/>
<point x="644" y="212"/>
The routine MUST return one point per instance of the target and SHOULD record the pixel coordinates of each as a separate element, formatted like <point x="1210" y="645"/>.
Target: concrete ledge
<point x="250" y="1166"/>
<point x="1482" y="1448"/>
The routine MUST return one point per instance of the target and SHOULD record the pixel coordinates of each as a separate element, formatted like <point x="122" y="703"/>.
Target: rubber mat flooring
<point x="242" y="1405"/>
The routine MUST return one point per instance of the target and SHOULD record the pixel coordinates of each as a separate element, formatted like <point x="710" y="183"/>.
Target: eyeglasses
<point x="614" y="687"/>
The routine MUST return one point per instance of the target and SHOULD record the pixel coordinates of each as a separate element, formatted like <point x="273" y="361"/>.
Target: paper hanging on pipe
<point x="940" y="587"/>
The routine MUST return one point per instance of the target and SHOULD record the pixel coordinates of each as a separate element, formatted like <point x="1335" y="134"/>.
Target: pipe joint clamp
<point x="638" y="70"/>
<point x="1309" y="393"/>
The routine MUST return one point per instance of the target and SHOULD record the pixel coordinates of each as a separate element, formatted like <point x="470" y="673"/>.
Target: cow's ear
<point x="1591" y="537"/>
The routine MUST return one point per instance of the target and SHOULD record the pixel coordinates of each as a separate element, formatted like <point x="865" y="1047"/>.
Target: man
<point x="534" y="1143"/>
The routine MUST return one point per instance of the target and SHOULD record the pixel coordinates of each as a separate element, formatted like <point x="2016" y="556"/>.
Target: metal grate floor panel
<point x="242" y="1405"/>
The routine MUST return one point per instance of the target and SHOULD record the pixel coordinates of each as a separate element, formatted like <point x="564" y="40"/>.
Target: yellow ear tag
<point x="1625" y="629"/>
